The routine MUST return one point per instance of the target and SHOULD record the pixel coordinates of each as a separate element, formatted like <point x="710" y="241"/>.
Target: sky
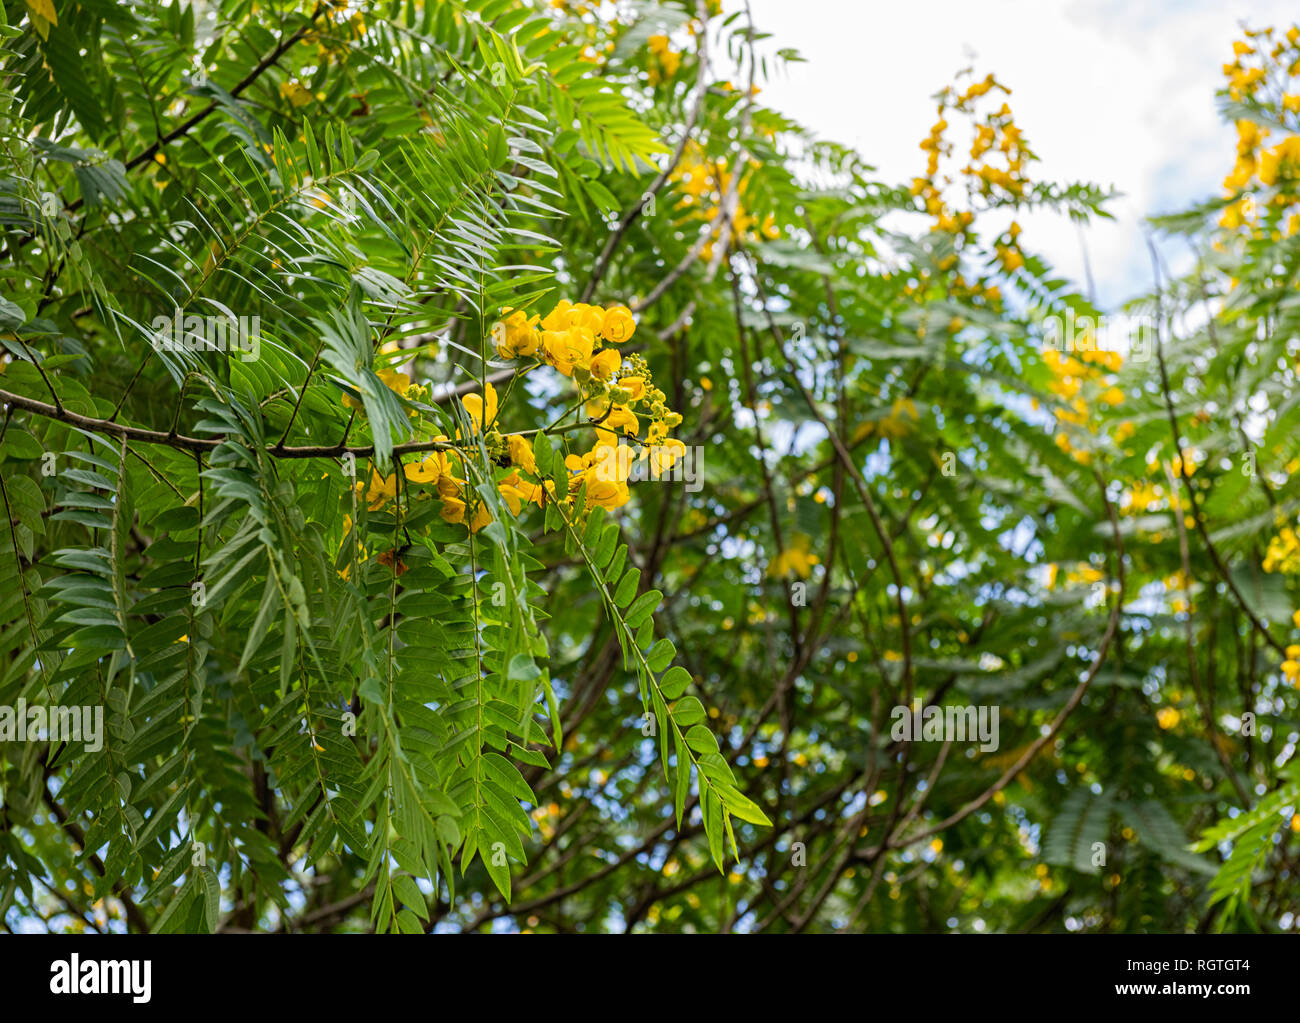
<point x="1113" y="92"/>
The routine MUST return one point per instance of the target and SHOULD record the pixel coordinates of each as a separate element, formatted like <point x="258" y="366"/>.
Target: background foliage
<point x="674" y="715"/>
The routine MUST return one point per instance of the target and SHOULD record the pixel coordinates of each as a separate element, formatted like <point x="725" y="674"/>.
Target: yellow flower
<point x="1284" y="157"/>
<point x="634" y="386"/>
<point x="619" y="325"/>
<point x="895" y="424"/>
<point x="514" y="497"/>
<point x="604" y="470"/>
<point x="517" y="334"/>
<point x="1167" y="718"/>
<point x="380" y="491"/>
<point x="1143" y="496"/>
<point x="621" y="417"/>
<point x="795" y="559"/>
<point x="481" y="416"/>
<point x="535" y="493"/>
<point x="453" y="511"/>
<point x="448" y="485"/>
<point x="663" y="457"/>
<point x="608" y="494"/>
<point x="558" y="318"/>
<point x="296" y="93"/>
<point x="1010" y="258"/>
<point x="589" y="317"/>
<point x="396" y="382"/>
<point x="432" y="468"/>
<point x="606" y="364"/>
<point x="1066" y="386"/>
<point x="521" y="452"/>
<point x="569" y="349"/>
<point x="1184" y="464"/>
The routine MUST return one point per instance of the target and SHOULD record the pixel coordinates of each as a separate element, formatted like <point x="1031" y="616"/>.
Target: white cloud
<point x="1106" y="91"/>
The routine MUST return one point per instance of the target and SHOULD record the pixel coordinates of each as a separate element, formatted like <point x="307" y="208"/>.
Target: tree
<point x="472" y="464"/>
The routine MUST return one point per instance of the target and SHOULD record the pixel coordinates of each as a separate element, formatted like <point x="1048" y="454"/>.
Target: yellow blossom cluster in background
<point x="994" y="175"/>
<point x="336" y="43"/>
<point x="1264" y="185"/>
<point x="795" y="560"/>
<point x="664" y="60"/>
<point x="1264" y="189"/>
<point x="895" y="423"/>
<point x="584" y="23"/>
<point x="1082" y="574"/>
<point x="1291" y="666"/>
<point x="1178" y="584"/>
<point x="1283" y="553"/>
<point x="704" y="182"/>
<point x="1082" y="380"/>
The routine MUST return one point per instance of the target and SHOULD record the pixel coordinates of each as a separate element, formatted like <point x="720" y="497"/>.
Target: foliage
<point x="591" y="464"/>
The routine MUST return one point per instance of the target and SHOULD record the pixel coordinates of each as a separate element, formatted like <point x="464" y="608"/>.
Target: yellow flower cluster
<point x="796" y="560"/>
<point x="703" y="184"/>
<point x="897" y="422"/>
<point x="623" y="406"/>
<point x="1142" y="498"/>
<point x="337" y="43"/>
<point x="994" y="175"/>
<point x="1178" y="584"/>
<point x="1077" y="378"/>
<point x="583" y="23"/>
<point x="1245" y="80"/>
<point x="570" y="338"/>
<point x="664" y="60"/>
<point x="1283" y="553"/>
<point x="1266" y="73"/>
<point x="997" y="140"/>
<point x="1291" y="666"/>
